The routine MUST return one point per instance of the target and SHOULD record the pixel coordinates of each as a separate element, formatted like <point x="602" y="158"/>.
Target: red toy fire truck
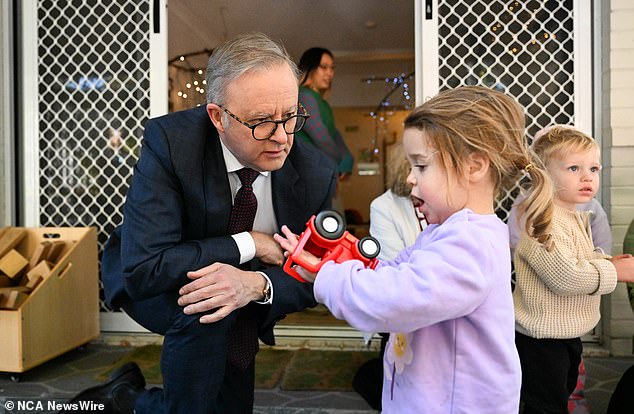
<point x="326" y="238"/>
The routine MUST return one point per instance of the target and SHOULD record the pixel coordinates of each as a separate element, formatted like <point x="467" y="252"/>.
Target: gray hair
<point x="247" y="52"/>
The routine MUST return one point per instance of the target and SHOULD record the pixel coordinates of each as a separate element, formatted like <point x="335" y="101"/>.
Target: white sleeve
<point x="246" y="246"/>
<point x="383" y="228"/>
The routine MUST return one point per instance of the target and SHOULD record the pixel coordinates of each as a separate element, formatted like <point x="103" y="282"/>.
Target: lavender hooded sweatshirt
<point x="447" y="303"/>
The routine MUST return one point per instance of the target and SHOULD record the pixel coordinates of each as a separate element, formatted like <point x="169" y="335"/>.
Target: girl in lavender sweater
<point x="446" y="300"/>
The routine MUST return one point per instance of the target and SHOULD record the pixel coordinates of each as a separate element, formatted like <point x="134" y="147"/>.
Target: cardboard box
<point x="62" y="311"/>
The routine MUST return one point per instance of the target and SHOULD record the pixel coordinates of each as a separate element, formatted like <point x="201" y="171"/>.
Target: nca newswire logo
<point x="35" y="406"/>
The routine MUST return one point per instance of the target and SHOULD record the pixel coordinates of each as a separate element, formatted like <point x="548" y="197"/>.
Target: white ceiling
<point x="339" y="25"/>
<point x="368" y="37"/>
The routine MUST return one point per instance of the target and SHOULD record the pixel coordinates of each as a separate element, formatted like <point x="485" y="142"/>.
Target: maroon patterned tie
<point x="243" y="336"/>
<point x="245" y="204"/>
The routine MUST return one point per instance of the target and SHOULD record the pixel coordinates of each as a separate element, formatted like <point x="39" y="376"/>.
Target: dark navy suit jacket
<point x="177" y="211"/>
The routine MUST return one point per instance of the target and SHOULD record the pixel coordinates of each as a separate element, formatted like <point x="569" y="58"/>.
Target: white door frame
<point x="7" y="94"/>
<point x="582" y="51"/>
<point x="29" y="177"/>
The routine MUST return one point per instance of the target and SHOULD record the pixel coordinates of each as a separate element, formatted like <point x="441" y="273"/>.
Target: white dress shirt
<point x="265" y="221"/>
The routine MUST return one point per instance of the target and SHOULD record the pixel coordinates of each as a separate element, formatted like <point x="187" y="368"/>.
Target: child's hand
<point x="624" y="264"/>
<point x="288" y="244"/>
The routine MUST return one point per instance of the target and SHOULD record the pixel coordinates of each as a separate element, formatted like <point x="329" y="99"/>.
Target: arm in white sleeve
<point x="246" y="246"/>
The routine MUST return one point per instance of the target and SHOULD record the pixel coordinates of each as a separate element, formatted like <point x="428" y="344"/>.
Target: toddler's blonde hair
<point x="557" y="140"/>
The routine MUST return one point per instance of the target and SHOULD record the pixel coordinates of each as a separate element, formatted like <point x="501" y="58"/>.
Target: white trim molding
<point x="7" y="94"/>
<point x="29" y="175"/>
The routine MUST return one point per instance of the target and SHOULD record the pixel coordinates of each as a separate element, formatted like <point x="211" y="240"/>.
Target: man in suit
<point x="177" y="265"/>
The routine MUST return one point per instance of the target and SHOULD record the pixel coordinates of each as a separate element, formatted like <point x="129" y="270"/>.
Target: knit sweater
<point x="558" y="292"/>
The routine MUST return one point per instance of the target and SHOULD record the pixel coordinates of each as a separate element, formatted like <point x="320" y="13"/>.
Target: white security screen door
<point x="539" y="52"/>
<point x="93" y="72"/>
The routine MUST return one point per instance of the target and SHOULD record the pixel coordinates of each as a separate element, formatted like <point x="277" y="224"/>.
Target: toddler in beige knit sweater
<point x="560" y="282"/>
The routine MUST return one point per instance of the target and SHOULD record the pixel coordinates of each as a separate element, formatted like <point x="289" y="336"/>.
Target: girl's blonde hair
<point x="557" y="140"/>
<point x="471" y="119"/>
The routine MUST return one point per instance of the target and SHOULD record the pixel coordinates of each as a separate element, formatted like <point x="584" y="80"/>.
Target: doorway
<point x="90" y="74"/>
<point x="373" y="45"/>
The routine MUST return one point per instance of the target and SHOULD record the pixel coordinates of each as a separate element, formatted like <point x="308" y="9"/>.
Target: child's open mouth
<point x="418" y="203"/>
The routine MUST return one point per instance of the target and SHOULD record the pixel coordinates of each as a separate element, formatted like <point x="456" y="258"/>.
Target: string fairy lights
<point x="386" y="107"/>
<point x="187" y="80"/>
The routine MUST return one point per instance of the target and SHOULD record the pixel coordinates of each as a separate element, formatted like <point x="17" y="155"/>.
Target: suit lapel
<point x="217" y="189"/>
<point x="289" y="198"/>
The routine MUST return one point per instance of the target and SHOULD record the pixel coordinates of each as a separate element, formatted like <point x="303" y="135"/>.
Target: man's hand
<point x="222" y="287"/>
<point x="624" y="264"/>
<point x="267" y="249"/>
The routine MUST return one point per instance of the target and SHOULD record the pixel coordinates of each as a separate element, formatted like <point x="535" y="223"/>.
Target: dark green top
<point x="320" y="129"/>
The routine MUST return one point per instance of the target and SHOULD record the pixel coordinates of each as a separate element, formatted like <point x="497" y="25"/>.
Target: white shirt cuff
<point x="246" y="246"/>
<point x="270" y="301"/>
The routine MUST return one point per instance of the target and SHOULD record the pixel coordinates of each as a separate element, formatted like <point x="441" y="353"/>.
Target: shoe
<point x="129" y="373"/>
<point x="132" y="371"/>
<point x="124" y="396"/>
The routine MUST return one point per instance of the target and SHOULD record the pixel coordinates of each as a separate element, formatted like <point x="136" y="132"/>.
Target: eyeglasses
<point x="266" y="129"/>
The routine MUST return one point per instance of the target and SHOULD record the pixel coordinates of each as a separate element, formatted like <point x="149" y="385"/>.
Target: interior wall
<point x="359" y="130"/>
<point x="619" y="139"/>
<point x="350" y="88"/>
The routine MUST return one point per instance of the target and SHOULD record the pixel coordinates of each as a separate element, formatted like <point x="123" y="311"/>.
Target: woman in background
<point x="317" y="66"/>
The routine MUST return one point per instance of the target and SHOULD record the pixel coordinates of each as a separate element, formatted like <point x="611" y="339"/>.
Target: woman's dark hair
<point x="310" y="61"/>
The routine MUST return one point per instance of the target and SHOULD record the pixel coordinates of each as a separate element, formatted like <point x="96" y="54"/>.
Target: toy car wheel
<point x="369" y="247"/>
<point x="330" y="225"/>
